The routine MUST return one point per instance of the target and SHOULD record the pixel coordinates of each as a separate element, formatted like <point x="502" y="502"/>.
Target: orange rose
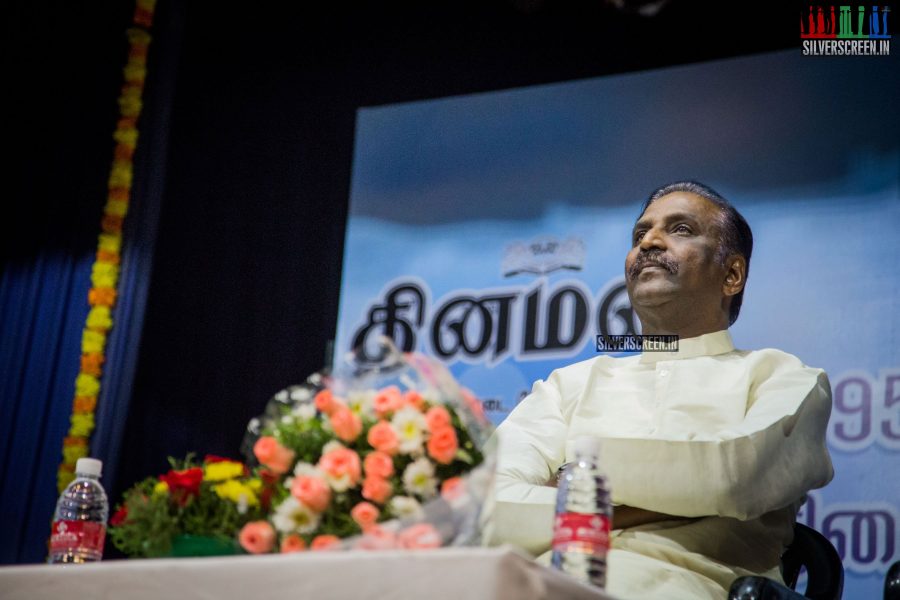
<point x="387" y="401"/>
<point x="325" y="402"/>
<point x="292" y="543"/>
<point x="442" y="445"/>
<point x="377" y="538"/>
<point x="341" y="467"/>
<point x="273" y="455"/>
<point x="311" y="491"/>
<point x="376" y="489"/>
<point x="365" y="514"/>
<point x="437" y="417"/>
<point x="383" y="438"/>
<point x="346" y="424"/>
<point x="453" y="488"/>
<point x="257" y="537"/>
<point x="378" y="464"/>
<point x="414" y="399"/>
<point x="325" y="542"/>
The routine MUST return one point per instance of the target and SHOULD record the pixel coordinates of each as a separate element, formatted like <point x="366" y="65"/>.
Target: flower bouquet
<point x="194" y="509"/>
<point x="390" y="457"/>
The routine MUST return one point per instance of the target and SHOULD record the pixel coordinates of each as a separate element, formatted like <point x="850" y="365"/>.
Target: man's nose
<point x="653" y="239"/>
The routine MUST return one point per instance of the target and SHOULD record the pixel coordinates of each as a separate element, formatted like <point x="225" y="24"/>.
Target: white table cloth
<point x="449" y="573"/>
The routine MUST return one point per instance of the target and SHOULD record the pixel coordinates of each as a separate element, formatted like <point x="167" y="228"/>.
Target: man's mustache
<point x="652" y="258"/>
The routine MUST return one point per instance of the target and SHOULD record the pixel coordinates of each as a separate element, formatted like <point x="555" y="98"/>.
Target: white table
<point x="449" y="573"/>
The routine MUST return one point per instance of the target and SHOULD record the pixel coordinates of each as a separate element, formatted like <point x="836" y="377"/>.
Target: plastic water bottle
<point x="79" y="525"/>
<point x="583" y="514"/>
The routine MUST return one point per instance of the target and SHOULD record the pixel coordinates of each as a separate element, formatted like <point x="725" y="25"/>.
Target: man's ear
<point x="735" y="275"/>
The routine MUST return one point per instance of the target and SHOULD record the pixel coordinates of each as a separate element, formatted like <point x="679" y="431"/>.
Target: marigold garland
<point x="105" y="271"/>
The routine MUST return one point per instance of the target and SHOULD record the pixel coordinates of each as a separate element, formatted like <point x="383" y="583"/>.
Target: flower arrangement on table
<point x="364" y="463"/>
<point x="194" y="509"/>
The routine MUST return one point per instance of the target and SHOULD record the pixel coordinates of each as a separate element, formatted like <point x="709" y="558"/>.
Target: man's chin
<point x="652" y="293"/>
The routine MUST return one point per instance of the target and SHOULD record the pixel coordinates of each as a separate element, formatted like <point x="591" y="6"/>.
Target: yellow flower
<point x="127" y="136"/>
<point x="71" y="454"/>
<point x="86" y="385"/>
<point x="220" y="471"/>
<point x="161" y="488"/>
<point x="99" y="318"/>
<point x="135" y="71"/>
<point x="139" y="37"/>
<point x="237" y="492"/>
<point x="104" y="275"/>
<point x="116" y="208"/>
<point x="254" y="484"/>
<point x="92" y="341"/>
<point x="130" y="101"/>
<point x="82" y="424"/>
<point x="109" y="242"/>
<point x="120" y="175"/>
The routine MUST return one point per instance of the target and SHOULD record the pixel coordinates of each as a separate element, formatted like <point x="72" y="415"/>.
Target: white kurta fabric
<point x="728" y="440"/>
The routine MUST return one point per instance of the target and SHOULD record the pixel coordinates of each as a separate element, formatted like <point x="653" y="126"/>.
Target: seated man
<point x="710" y="450"/>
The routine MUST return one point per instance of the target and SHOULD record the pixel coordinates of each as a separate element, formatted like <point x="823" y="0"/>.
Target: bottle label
<point x="77" y="534"/>
<point x="581" y="528"/>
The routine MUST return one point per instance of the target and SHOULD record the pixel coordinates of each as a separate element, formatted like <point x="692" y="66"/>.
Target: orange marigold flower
<point x="84" y="404"/>
<point x="124" y="152"/>
<point x="108" y="257"/>
<point x="102" y="296"/>
<point x="126" y="123"/>
<point x="92" y="363"/>
<point x="73" y="440"/>
<point x="118" y="194"/>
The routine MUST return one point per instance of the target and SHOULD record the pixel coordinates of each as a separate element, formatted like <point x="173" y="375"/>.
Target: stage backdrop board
<point x="491" y="231"/>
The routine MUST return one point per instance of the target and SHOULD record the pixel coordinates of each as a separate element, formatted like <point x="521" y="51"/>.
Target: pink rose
<point x="365" y="514"/>
<point x="383" y="438"/>
<point x="414" y="399"/>
<point x="292" y="543"/>
<point x="442" y="445"/>
<point x="273" y="455"/>
<point x="325" y="542"/>
<point x="326" y="403"/>
<point x="376" y="489"/>
<point x="420" y="536"/>
<point x="341" y="466"/>
<point x="257" y="537"/>
<point x="311" y="491"/>
<point x="387" y="401"/>
<point x="377" y="538"/>
<point x="453" y="488"/>
<point x="346" y="424"/>
<point x="378" y="464"/>
<point x="437" y="417"/>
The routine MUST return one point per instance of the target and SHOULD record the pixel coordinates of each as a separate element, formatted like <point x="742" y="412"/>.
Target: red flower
<point x="183" y="484"/>
<point x="213" y="458"/>
<point x="120" y="517"/>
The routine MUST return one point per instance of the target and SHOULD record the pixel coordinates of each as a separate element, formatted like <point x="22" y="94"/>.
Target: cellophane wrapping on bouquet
<point x="374" y="456"/>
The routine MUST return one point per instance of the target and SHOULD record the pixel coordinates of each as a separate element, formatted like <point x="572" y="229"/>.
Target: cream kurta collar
<point x="708" y="344"/>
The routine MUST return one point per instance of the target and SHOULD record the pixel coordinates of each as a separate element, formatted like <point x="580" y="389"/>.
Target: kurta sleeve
<point x="531" y="444"/>
<point x="769" y="460"/>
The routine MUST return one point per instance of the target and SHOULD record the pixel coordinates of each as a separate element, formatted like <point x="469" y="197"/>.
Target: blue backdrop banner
<point x="491" y="230"/>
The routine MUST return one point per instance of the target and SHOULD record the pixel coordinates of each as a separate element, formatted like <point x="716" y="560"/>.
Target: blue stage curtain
<point x="43" y="307"/>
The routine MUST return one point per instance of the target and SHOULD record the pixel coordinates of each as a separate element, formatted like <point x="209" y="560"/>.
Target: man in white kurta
<point x="714" y="448"/>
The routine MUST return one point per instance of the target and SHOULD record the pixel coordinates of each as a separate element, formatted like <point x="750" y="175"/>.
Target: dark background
<point x="246" y="273"/>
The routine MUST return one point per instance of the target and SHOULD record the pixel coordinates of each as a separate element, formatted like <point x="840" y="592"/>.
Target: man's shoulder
<point x="584" y="367"/>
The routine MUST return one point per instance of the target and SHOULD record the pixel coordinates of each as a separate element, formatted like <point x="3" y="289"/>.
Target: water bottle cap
<point x="89" y="466"/>
<point x="587" y="445"/>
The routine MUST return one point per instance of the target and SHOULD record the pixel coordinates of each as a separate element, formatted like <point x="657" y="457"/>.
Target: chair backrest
<point x="892" y="582"/>
<point x="825" y="573"/>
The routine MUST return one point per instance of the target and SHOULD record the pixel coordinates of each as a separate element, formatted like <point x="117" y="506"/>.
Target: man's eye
<point x="638" y="236"/>
<point x="682" y="228"/>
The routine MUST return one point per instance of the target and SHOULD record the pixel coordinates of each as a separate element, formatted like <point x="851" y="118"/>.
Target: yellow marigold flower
<point x="220" y="471"/>
<point x="128" y="136"/>
<point x="109" y="242"/>
<point x="99" y="318"/>
<point x="130" y="101"/>
<point x="236" y="491"/>
<point x="120" y="175"/>
<point x="86" y="385"/>
<point x="161" y="488"/>
<point x="92" y="341"/>
<point x="254" y="484"/>
<point x="104" y="275"/>
<point x="82" y="424"/>
<point x="135" y="71"/>
<point x="139" y="37"/>
<point x="63" y="479"/>
<point x="71" y="454"/>
<point x="117" y="208"/>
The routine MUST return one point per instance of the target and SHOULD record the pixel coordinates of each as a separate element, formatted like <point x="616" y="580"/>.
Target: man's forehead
<point x="681" y="203"/>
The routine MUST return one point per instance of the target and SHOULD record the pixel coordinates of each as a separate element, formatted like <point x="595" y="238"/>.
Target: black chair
<point x="892" y="582"/>
<point x="810" y="549"/>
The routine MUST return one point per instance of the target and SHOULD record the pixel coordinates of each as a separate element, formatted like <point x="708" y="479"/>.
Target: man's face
<point x="673" y="255"/>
